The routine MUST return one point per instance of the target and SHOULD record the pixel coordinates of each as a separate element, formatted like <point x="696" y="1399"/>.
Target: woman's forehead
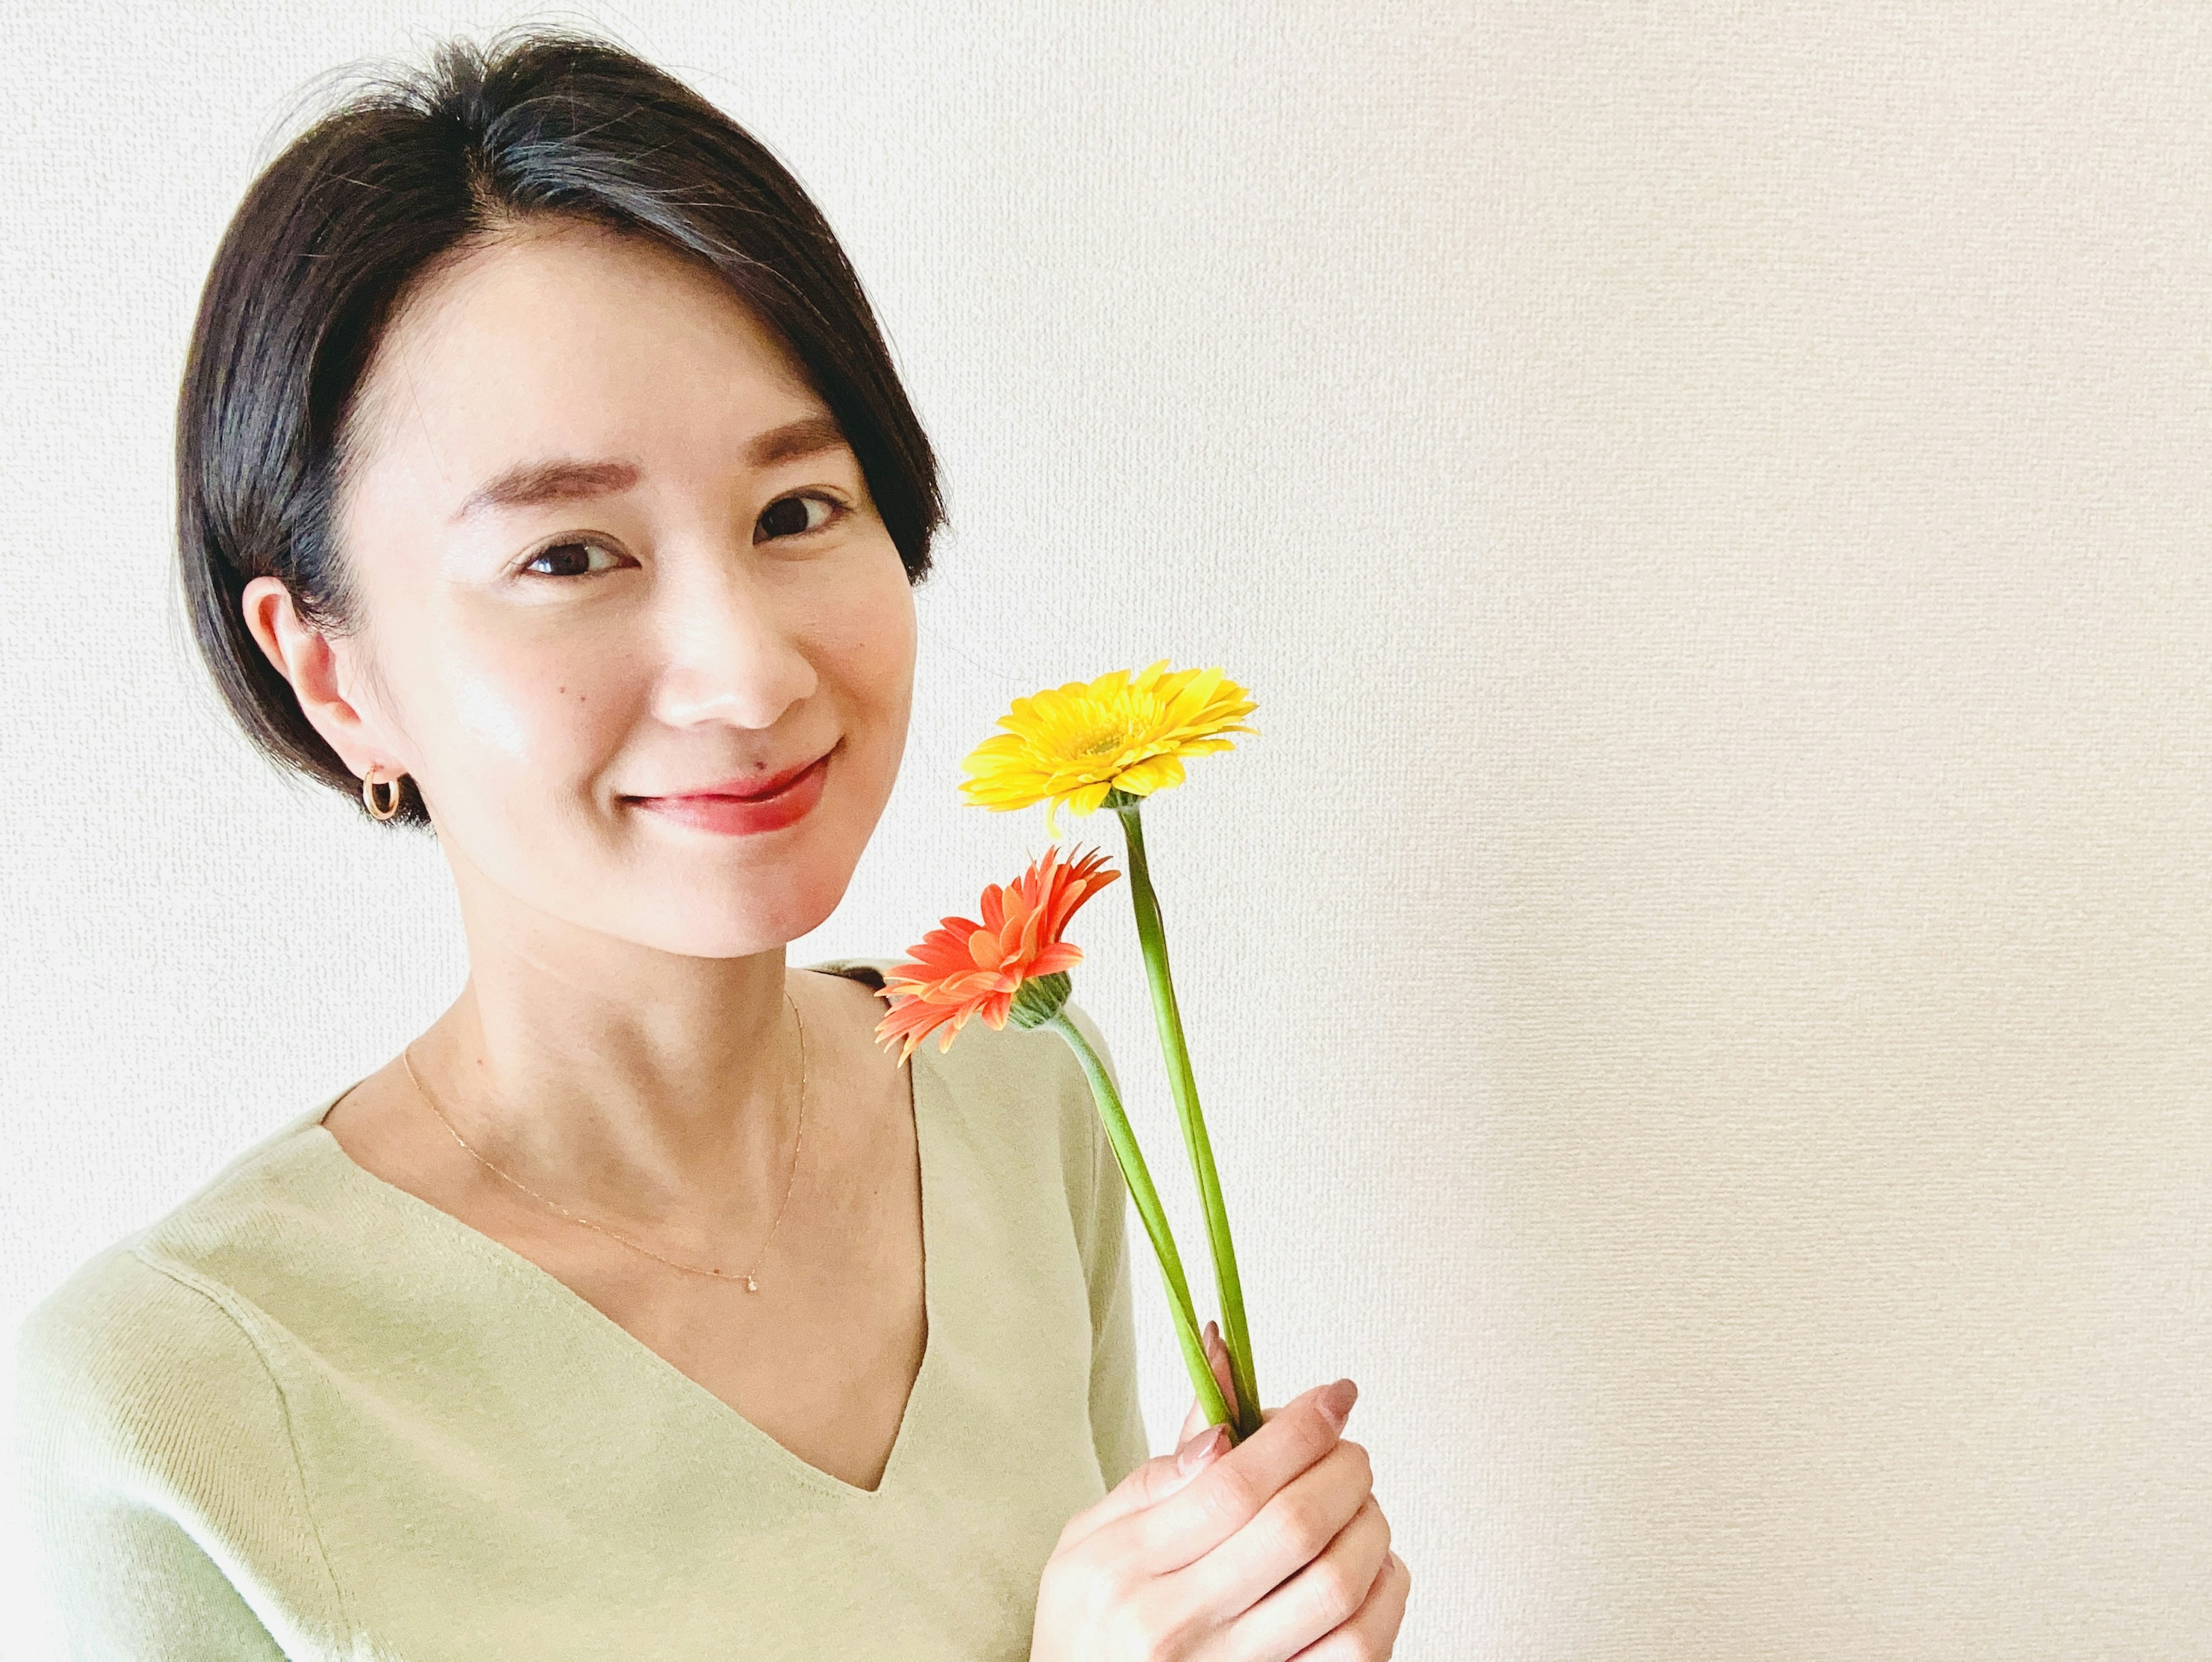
<point x="575" y="344"/>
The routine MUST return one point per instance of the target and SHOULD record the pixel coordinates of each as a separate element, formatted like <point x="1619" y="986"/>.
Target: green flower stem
<point x="1151" y="932"/>
<point x="1155" y="1218"/>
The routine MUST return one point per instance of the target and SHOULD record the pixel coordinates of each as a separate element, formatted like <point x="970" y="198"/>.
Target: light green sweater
<point x="306" y="1414"/>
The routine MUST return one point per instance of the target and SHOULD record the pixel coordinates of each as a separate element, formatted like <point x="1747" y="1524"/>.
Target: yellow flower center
<point x="1100" y="742"/>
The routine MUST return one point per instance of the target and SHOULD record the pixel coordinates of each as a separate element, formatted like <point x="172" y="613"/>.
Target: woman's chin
<point x="711" y="921"/>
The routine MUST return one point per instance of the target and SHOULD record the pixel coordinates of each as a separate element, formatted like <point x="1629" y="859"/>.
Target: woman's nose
<point x="729" y="654"/>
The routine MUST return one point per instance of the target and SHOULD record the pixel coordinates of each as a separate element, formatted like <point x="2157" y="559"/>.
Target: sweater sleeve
<point x="157" y="1471"/>
<point x="1117" y="1419"/>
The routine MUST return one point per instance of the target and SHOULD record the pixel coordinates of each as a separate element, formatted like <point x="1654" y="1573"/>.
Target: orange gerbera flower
<point x="969" y="969"/>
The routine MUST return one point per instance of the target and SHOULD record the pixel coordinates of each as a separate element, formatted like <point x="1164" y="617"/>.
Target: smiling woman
<point x="617" y="569"/>
<point x="542" y="466"/>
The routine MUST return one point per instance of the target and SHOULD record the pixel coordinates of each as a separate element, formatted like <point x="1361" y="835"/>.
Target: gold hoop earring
<point x="368" y="784"/>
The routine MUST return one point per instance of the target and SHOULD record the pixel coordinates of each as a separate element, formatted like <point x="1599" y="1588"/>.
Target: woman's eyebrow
<point x="526" y="484"/>
<point x="810" y="435"/>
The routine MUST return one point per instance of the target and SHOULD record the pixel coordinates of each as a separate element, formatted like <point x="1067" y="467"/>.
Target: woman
<point x="543" y="476"/>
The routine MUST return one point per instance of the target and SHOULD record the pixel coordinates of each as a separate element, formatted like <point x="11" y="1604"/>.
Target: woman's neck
<point x="633" y="1084"/>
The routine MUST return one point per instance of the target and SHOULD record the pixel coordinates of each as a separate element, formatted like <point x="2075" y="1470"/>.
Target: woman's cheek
<point x="532" y="711"/>
<point x="874" y="634"/>
<point x="886" y="663"/>
<point x="867" y="647"/>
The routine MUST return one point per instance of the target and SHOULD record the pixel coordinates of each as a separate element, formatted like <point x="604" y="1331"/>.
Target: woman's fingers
<point x="1295" y="1532"/>
<point x="1149" y="1483"/>
<point x="1329" y="1592"/>
<point x="1200" y="1443"/>
<point x="1154" y="1480"/>
<point x="1373" y="1631"/>
<point x="1231" y="1492"/>
<point x="1217" y="1353"/>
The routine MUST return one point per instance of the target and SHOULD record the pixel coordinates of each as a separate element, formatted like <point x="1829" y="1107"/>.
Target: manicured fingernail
<point x="1336" y="1402"/>
<point x="1200" y="1449"/>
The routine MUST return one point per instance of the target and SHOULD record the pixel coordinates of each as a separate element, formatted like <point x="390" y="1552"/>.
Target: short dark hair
<point x="539" y="123"/>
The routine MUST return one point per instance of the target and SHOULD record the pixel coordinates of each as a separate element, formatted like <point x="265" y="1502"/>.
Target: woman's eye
<point x="571" y="559"/>
<point x="794" y="515"/>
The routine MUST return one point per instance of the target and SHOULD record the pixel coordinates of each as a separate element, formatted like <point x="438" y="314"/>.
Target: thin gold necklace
<point x="751" y="1285"/>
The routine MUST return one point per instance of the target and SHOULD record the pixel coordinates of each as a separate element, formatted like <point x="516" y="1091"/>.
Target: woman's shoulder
<point x="161" y="1307"/>
<point x="125" y="1369"/>
<point x="1021" y="1095"/>
<point x="146" y="1417"/>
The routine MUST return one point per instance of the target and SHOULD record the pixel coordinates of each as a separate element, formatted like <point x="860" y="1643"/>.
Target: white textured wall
<point x="1705" y="980"/>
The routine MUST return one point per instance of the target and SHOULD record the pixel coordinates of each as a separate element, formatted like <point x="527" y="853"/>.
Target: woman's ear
<point x="308" y="658"/>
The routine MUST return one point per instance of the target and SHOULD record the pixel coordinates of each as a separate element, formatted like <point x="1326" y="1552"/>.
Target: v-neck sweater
<point x="306" y="1414"/>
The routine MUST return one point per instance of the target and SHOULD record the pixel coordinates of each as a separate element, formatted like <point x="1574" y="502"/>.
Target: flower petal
<point x="953" y="976"/>
<point x="1071" y="743"/>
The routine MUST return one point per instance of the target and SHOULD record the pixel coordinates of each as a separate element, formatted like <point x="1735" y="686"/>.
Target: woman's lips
<point x="744" y="816"/>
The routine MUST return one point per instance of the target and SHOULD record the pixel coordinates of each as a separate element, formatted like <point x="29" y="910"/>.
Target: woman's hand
<point x="1273" y="1550"/>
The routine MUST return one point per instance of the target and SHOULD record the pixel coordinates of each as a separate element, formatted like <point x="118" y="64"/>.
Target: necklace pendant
<point x="751" y="1286"/>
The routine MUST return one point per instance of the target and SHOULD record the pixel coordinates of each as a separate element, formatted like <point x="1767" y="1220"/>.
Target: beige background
<point x="1703" y="983"/>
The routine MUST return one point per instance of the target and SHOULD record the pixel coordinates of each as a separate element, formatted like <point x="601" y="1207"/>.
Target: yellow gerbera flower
<point x="1075" y="743"/>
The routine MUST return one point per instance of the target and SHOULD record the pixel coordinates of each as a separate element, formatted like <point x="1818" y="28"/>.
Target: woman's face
<point x="613" y="552"/>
